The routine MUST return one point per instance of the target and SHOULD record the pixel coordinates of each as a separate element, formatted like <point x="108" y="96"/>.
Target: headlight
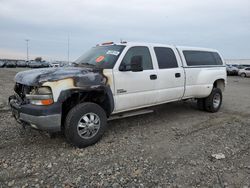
<point x="41" y="96"/>
<point x="44" y="90"/>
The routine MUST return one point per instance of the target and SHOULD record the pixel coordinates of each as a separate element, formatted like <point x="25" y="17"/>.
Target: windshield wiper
<point x="88" y="64"/>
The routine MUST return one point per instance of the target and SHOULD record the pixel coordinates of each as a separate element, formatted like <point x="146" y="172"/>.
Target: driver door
<point x="135" y="89"/>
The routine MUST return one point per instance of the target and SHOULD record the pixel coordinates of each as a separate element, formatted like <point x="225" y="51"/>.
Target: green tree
<point x="38" y="59"/>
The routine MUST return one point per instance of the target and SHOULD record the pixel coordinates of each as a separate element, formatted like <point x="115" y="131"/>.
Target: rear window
<point x="194" y="58"/>
<point x="165" y="57"/>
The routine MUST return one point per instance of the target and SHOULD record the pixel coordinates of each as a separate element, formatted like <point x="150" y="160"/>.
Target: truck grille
<point x="21" y="90"/>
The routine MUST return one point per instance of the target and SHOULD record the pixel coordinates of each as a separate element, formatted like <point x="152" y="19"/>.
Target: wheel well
<point x="98" y="97"/>
<point x="220" y="84"/>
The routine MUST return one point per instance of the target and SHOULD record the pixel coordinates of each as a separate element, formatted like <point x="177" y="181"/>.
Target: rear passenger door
<point x="170" y="84"/>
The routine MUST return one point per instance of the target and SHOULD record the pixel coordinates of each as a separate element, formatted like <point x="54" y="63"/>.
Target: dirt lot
<point x="170" y="147"/>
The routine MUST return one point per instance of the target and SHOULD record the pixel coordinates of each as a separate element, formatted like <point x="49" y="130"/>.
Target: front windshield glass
<point x="101" y="56"/>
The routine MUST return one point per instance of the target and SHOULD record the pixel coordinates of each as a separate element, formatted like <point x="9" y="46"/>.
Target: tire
<point x="243" y="75"/>
<point x="79" y="124"/>
<point x="213" y="101"/>
<point x="201" y="104"/>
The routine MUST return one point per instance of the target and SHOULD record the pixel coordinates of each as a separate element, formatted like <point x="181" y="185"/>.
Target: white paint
<point x="134" y="90"/>
<point x="141" y="92"/>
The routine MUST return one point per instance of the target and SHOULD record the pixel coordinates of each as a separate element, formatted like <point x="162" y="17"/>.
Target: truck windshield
<point x="101" y="56"/>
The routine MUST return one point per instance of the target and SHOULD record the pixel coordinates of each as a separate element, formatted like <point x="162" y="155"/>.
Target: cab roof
<point x="157" y="44"/>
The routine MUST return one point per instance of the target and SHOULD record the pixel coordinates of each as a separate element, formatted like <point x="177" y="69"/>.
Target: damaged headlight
<point x="44" y="90"/>
<point x="40" y="96"/>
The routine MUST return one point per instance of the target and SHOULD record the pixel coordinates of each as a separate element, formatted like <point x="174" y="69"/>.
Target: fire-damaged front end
<point x="43" y="97"/>
<point x="31" y="105"/>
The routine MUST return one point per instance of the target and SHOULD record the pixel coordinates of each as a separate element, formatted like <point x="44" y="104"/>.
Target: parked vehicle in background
<point x="21" y="63"/>
<point x="11" y="64"/>
<point x="232" y="69"/>
<point x="2" y="63"/>
<point x="246" y="65"/>
<point x="244" y="72"/>
<point x="55" y="64"/>
<point x="35" y="64"/>
<point x="115" y="80"/>
<point x="64" y="64"/>
<point x="242" y="66"/>
<point x="45" y="64"/>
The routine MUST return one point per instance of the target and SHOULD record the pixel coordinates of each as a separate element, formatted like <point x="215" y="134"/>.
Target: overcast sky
<point x="219" y="24"/>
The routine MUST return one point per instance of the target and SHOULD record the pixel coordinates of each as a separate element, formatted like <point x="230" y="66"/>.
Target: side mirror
<point x="136" y="63"/>
<point x="123" y="67"/>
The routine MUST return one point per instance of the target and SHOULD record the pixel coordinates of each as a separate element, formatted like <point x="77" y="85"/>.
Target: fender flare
<point x="65" y="94"/>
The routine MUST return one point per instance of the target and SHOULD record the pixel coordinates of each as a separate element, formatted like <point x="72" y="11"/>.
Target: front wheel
<point x="213" y="101"/>
<point x="85" y="124"/>
<point x="243" y="75"/>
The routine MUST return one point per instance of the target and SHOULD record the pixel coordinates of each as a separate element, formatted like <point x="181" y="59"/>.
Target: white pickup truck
<point x="115" y="79"/>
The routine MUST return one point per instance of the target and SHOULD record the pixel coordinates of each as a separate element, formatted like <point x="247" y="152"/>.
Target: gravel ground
<point x="171" y="147"/>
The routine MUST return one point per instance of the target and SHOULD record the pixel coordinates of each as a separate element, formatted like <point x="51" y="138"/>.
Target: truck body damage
<point x="69" y="86"/>
<point x="82" y="77"/>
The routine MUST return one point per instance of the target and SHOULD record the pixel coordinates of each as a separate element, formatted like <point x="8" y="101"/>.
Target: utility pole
<point x="27" y="43"/>
<point x="68" y="48"/>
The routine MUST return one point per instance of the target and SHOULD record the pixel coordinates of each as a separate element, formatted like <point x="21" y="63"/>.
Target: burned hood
<point x="81" y="76"/>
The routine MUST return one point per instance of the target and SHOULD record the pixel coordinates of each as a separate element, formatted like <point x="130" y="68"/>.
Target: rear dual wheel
<point x="212" y="103"/>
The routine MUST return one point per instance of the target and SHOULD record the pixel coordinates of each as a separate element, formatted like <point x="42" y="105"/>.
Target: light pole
<point x="27" y="43"/>
<point x="68" y="48"/>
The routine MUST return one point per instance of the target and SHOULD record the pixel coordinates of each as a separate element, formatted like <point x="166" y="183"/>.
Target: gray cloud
<point x="224" y="25"/>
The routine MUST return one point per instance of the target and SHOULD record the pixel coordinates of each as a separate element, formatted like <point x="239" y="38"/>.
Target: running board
<point x="129" y="114"/>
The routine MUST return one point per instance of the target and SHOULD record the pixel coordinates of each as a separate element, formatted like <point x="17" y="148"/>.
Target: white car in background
<point x="55" y="65"/>
<point x="232" y="69"/>
<point x="244" y="72"/>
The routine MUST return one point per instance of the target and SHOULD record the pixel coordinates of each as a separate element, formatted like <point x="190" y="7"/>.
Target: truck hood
<point x="82" y="76"/>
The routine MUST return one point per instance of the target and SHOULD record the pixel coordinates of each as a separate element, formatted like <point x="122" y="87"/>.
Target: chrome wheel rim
<point x="88" y="125"/>
<point x="216" y="100"/>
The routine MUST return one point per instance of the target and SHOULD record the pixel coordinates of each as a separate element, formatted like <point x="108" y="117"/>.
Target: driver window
<point x="138" y="51"/>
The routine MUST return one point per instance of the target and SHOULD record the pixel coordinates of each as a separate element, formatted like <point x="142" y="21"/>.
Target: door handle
<point x="177" y="75"/>
<point x="153" y="77"/>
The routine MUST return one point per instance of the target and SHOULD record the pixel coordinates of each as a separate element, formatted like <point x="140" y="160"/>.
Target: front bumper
<point x="47" y="118"/>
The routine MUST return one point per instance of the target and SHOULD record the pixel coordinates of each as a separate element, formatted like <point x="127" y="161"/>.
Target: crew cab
<point x="113" y="79"/>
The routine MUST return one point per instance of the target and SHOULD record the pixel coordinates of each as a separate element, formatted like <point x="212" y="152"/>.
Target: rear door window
<point x="196" y="58"/>
<point x="165" y="57"/>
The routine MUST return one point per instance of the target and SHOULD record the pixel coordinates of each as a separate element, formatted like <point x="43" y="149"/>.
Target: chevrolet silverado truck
<point x="116" y="80"/>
